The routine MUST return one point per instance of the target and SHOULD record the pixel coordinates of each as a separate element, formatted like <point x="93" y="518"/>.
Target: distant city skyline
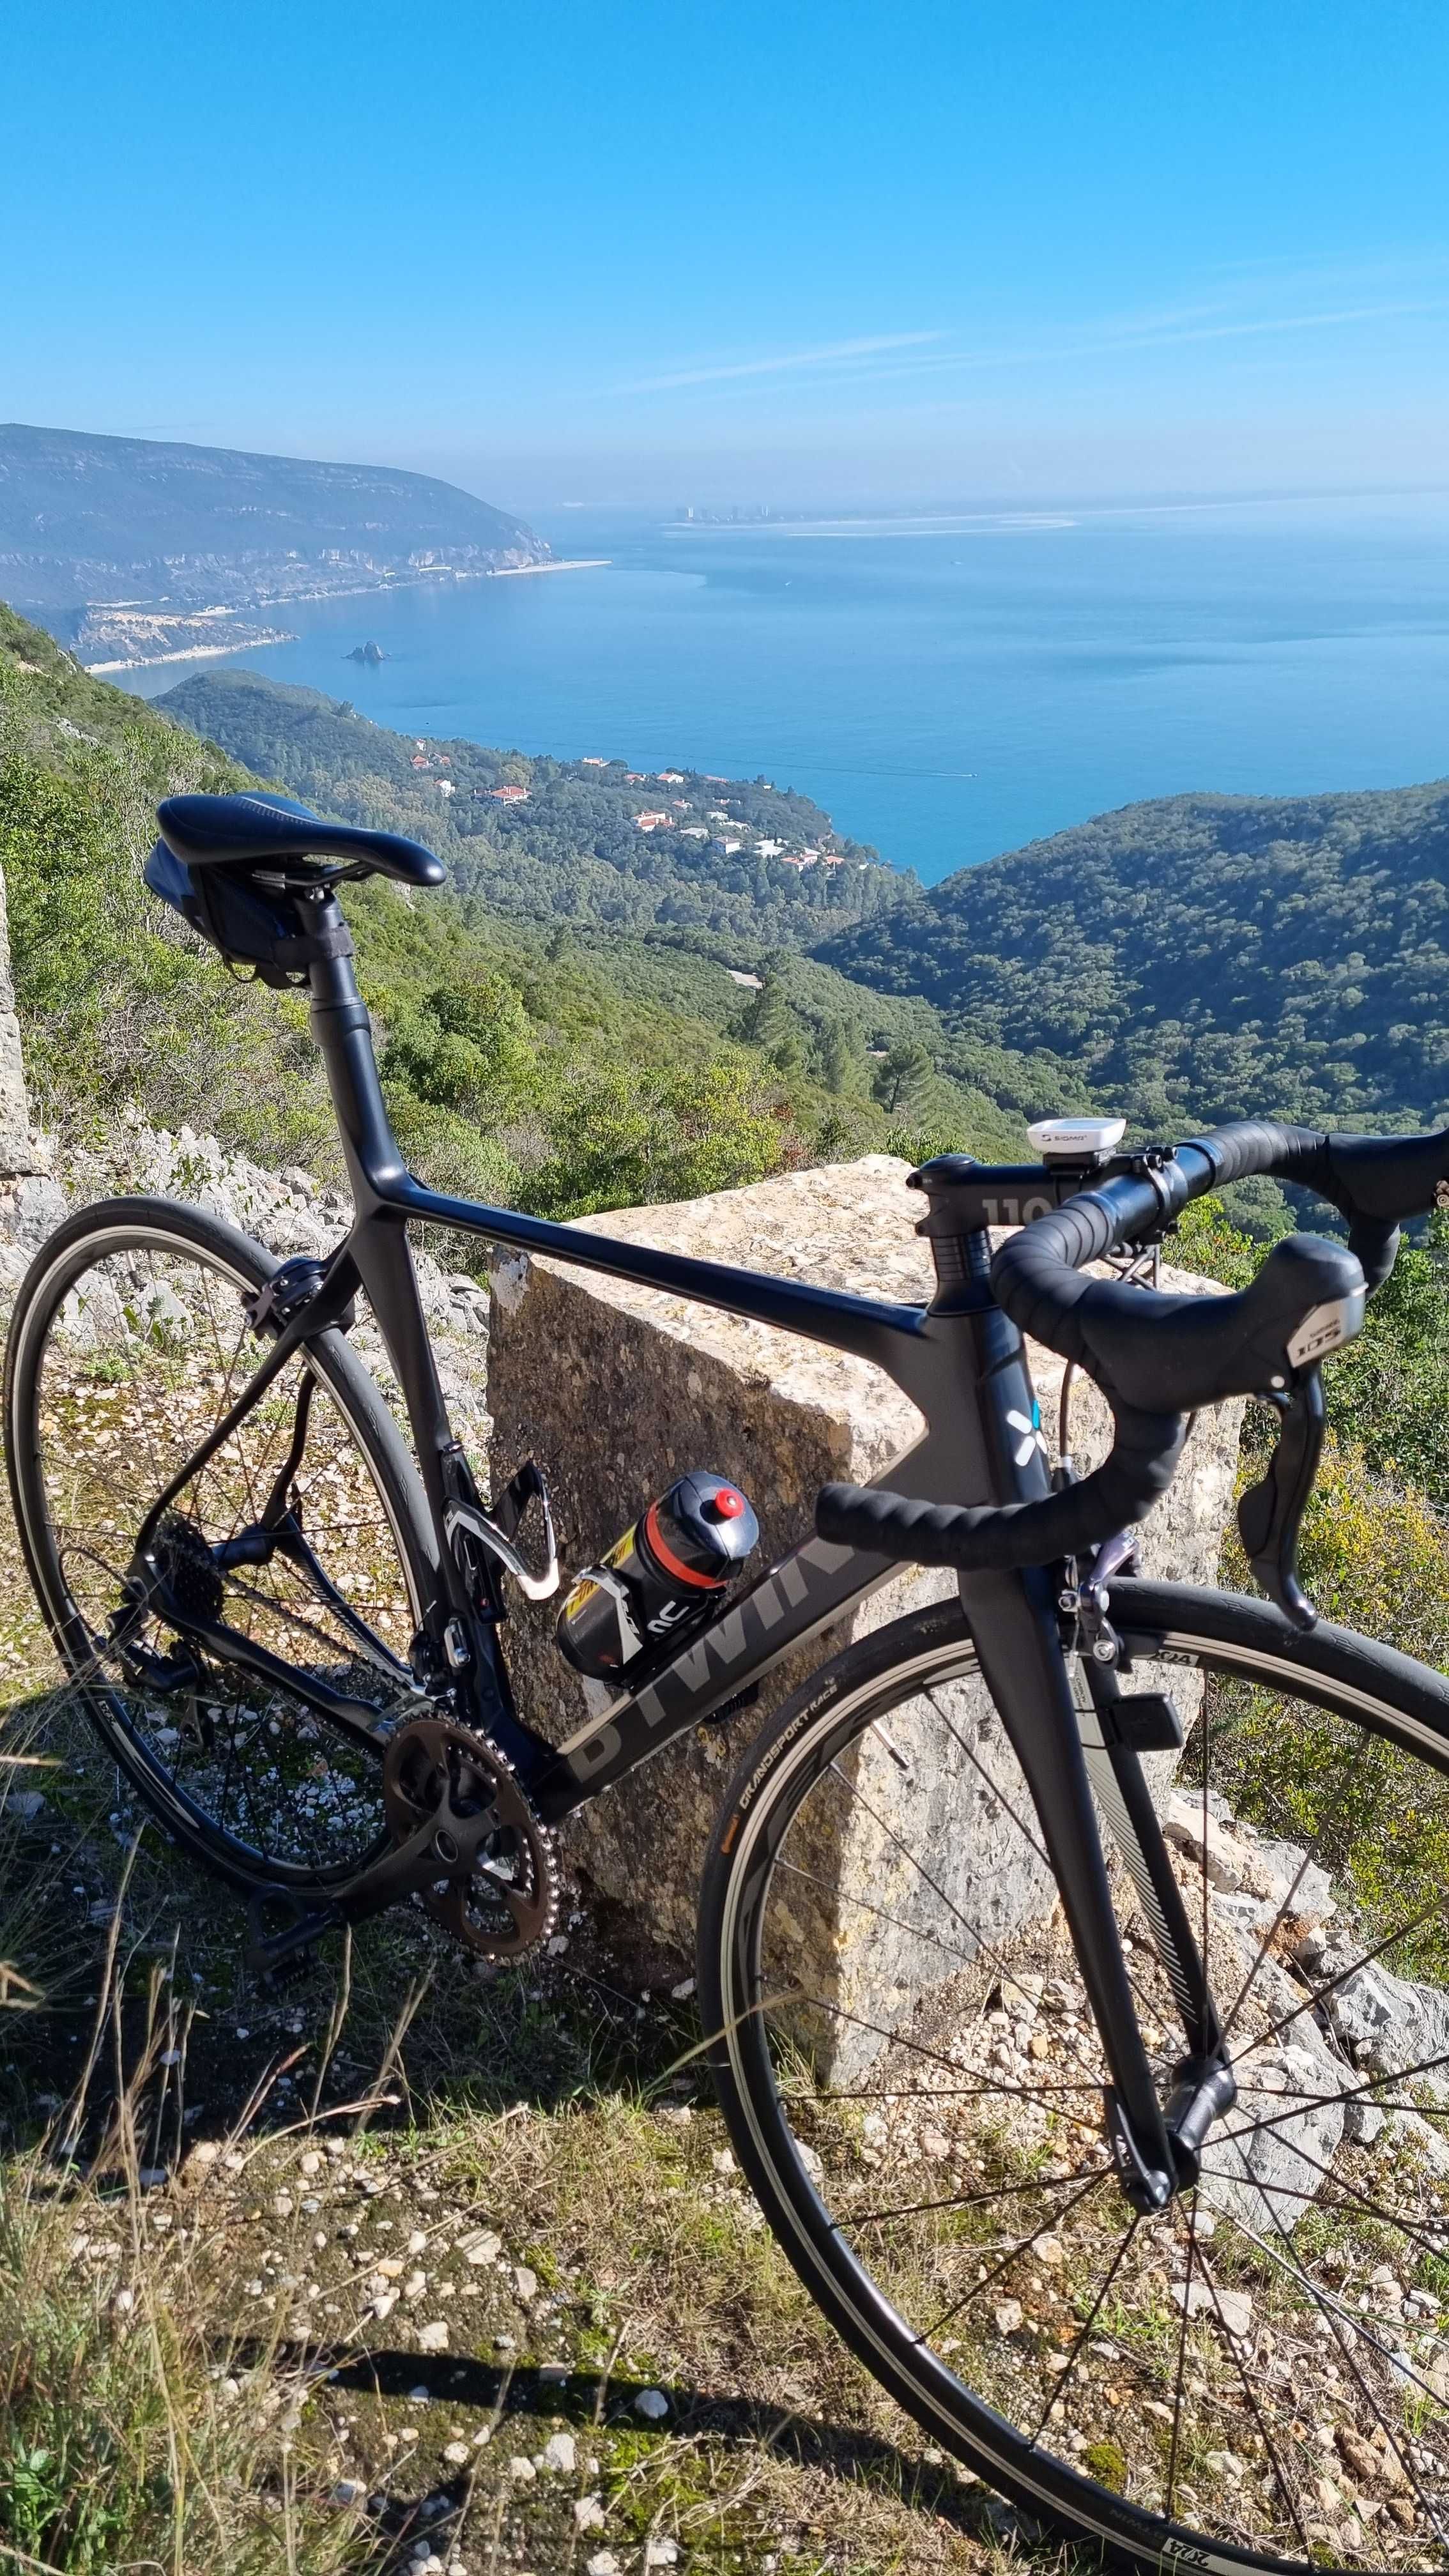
<point x="621" y="255"/>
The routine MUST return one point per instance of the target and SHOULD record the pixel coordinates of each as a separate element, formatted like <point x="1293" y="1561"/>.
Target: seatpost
<point x="342" y="1027"/>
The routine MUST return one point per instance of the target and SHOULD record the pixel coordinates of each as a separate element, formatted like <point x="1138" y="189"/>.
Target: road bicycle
<point x="1066" y="2137"/>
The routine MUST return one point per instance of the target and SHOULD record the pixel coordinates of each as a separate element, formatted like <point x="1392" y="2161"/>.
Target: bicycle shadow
<point x="589" y="2399"/>
<point x="393" y="2016"/>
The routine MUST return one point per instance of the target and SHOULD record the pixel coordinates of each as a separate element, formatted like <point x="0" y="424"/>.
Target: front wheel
<point x="913" y="2083"/>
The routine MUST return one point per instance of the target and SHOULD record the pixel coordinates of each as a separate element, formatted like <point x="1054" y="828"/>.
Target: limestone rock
<point x="617" y="1389"/>
<point x="1389" y="2025"/>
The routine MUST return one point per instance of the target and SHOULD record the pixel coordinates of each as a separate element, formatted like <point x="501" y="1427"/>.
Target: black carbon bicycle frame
<point x="962" y="1363"/>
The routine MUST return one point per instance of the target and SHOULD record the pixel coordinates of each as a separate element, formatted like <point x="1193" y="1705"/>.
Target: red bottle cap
<point x="727" y="1504"/>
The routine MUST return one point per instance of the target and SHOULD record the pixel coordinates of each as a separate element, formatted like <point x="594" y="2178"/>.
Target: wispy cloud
<point x="797" y="359"/>
<point x="1226" y="309"/>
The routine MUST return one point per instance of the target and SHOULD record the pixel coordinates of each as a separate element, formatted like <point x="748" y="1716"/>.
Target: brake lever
<point x="1270" y="1514"/>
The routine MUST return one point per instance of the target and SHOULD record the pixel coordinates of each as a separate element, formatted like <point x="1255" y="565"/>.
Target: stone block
<point x="616" y="1389"/>
<point x="18" y="1148"/>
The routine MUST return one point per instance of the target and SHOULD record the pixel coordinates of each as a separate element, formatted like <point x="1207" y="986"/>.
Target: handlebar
<point x="1159" y="1359"/>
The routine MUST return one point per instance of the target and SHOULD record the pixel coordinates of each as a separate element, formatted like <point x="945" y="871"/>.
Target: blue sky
<point x="811" y="251"/>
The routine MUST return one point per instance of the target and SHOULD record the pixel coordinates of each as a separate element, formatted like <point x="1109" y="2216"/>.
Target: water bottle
<point x="662" y="1578"/>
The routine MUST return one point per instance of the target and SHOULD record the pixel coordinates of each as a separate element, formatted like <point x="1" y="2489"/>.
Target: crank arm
<point x="444" y="1845"/>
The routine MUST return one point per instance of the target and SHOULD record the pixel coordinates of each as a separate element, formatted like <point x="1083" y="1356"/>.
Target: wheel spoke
<point x="970" y="2197"/>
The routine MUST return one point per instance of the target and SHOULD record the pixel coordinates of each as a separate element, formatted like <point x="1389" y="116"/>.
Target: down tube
<point x="798" y="1597"/>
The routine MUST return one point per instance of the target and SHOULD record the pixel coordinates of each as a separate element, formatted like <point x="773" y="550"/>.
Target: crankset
<point x="494" y="1883"/>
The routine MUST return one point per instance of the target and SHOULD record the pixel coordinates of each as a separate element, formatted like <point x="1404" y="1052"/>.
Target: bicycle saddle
<point x="274" y="831"/>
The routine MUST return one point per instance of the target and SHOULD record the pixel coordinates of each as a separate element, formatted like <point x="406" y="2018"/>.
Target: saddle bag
<point x="252" y="924"/>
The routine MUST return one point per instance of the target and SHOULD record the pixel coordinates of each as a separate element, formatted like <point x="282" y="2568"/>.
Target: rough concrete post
<point x="17" y="1146"/>
<point x="31" y="1204"/>
<point x="616" y="1390"/>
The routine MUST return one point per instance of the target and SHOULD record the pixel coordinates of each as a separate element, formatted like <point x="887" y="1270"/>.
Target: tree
<point x="839" y="1060"/>
<point x="905" y="1082"/>
<point x="768" y="1023"/>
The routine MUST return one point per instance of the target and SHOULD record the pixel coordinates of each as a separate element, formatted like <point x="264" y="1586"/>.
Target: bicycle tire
<point x="767" y="2045"/>
<point x="130" y="1230"/>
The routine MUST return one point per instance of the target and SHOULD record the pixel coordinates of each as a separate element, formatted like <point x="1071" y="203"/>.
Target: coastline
<point x="365" y="590"/>
<point x="191" y="653"/>
<point x="516" y="572"/>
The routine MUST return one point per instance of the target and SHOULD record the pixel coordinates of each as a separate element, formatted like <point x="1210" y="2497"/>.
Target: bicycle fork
<point x="1070" y="1728"/>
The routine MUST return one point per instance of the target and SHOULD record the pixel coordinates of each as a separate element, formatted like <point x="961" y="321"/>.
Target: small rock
<point x="414" y="2285"/>
<point x="683" y="1990"/>
<point x="1225" y="1861"/>
<point x="652" y="2404"/>
<point x="482" y="2247"/>
<point x="522" y="2471"/>
<point x="1008" y="2316"/>
<point x="348" y="2491"/>
<point x="1362" y="2122"/>
<point x="457" y="2454"/>
<point x="660" y="2553"/>
<point x="417" y="2242"/>
<point x="1231" y="2309"/>
<point x="603" y="2563"/>
<point x="419" y="2396"/>
<point x="311" y="2163"/>
<point x="722" y="2161"/>
<point x="1048" y="2250"/>
<point x="525" y="2283"/>
<point x="589" y="2513"/>
<point x="383" y="2304"/>
<point x="558" y="2453"/>
<point x="282" y="2205"/>
<point x="434" y="2337"/>
<point x="1224" y="2464"/>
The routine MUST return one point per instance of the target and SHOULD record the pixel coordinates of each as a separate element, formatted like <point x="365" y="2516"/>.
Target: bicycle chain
<point x="498" y="1915"/>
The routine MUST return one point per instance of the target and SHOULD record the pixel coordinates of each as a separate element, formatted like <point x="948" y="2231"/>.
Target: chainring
<point x="508" y="1902"/>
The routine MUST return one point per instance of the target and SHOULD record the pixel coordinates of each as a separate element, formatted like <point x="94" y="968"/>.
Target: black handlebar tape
<point x="1378" y="1179"/>
<point x="1375" y="1181"/>
<point x="1165" y="1354"/>
<point x="1256" y="1145"/>
<point x="1386" y="1178"/>
<point x="975" y="1538"/>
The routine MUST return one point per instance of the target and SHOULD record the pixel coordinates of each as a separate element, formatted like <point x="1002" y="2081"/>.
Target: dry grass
<point x="201" y="2368"/>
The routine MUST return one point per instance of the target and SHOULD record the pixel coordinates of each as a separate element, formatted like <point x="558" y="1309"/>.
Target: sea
<point x="949" y="685"/>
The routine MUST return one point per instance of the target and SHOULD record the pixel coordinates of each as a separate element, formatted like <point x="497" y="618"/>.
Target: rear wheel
<point x="913" y="2083"/>
<point x="131" y="1338"/>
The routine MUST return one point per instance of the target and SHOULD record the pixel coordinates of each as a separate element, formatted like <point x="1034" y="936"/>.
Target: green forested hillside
<point x="569" y="845"/>
<point x="85" y="518"/>
<point x="555" y="1069"/>
<point x="1203" y="956"/>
